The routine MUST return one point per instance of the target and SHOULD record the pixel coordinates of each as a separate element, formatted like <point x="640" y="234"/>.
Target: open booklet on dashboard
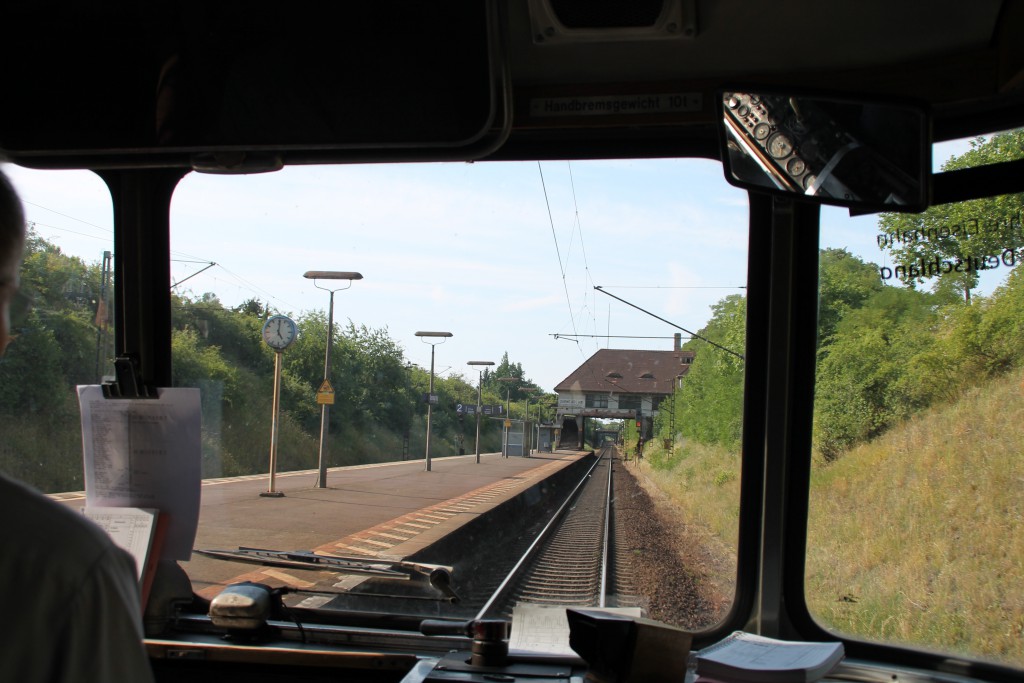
<point x="140" y="531"/>
<point x="748" y="658"/>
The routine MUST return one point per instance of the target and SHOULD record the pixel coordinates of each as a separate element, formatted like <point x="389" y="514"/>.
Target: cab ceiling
<point x="249" y="85"/>
<point x="744" y="39"/>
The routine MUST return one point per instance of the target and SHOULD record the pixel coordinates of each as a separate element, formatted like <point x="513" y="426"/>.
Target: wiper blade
<point x="304" y="559"/>
<point x="438" y="575"/>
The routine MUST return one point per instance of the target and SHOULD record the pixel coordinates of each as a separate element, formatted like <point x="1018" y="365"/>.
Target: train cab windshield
<point x="466" y="313"/>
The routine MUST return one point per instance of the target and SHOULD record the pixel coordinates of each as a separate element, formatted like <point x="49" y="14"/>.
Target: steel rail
<point x="605" y="544"/>
<point x="541" y="537"/>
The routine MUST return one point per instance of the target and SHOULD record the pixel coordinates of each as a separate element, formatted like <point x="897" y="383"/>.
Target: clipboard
<point x="142" y="448"/>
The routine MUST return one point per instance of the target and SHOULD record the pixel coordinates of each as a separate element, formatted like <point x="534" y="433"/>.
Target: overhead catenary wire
<point x="693" y="335"/>
<point x="209" y="264"/>
<point x="561" y="264"/>
<point x="79" y="220"/>
<point x="558" y="253"/>
<point x="32" y="225"/>
<point x="559" y="335"/>
<point x="578" y="223"/>
<point x="674" y="286"/>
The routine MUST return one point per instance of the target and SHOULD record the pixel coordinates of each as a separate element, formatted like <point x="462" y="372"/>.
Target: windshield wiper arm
<point x="439" y="576"/>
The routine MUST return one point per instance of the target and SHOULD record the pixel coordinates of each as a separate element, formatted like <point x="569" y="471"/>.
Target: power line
<point x="558" y="253"/>
<point x="693" y="335"/>
<point x="44" y="208"/>
<point x="559" y="335"/>
<point x="578" y="223"/>
<point x="33" y="224"/>
<point x="209" y="265"/>
<point x="674" y="287"/>
<point x="253" y="288"/>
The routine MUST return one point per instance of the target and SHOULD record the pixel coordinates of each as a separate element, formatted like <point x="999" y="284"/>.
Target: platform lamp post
<point x="531" y="393"/>
<point x="526" y="422"/>
<point x="553" y="405"/>
<point x="405" y="434"/>
<point x="425" y="337"/>
<point x="479" y="390"/>
<point x="326" y="391"/>
<point x="508" y="414"/>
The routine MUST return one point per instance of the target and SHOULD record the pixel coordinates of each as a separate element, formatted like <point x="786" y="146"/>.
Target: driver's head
<point x="12" y="241"/>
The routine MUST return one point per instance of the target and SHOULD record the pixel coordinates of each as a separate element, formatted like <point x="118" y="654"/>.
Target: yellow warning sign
<point x="325" y="394"/>
<point x="508" y="423"/>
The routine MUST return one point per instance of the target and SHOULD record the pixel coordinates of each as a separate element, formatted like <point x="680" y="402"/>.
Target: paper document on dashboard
<point x="749" y="658"/>
<point x="145" y="453"/>
<point x="132" y="529"/>
<point x="537" y="628"/>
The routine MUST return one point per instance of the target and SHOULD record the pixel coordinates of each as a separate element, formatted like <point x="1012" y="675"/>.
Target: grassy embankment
<point x="916" y="537"/>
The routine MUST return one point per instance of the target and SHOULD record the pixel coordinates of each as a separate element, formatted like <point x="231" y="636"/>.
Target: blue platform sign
<point x="468" y="409"/>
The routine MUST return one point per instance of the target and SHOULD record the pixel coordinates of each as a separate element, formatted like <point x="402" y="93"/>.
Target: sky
<point x="505" y="256"/>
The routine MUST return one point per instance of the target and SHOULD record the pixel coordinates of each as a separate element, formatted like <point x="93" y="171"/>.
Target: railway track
<point x="574" y="560"/>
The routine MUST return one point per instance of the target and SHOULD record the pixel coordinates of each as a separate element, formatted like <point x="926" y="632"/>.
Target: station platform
<point x="386" y="510"/>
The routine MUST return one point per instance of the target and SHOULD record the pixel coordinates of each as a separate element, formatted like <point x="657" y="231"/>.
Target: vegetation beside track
<point x="906" y="532"/>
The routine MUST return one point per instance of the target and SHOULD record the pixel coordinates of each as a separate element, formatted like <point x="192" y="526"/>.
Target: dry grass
<point x="916" y="538"/>
<point x="704" y="482"/>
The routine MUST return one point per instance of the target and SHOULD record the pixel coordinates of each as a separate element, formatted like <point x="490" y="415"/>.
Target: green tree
<point x="54" y="349"/>
<point x="982" y="340"/>
<point x="512" y="391"/>
<point x="844" y="283"/>
<point x="709" y="405"/>
<point x="866" y="381"/>
<point x="954" y="243"/>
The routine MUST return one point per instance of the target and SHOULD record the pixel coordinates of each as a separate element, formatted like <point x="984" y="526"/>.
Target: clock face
<point x="279" y="332"/>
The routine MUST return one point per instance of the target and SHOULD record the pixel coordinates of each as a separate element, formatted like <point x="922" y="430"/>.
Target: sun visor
<point x="233" y="84"/>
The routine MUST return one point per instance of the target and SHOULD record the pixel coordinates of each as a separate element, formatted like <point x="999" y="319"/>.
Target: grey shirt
<point x="70" y="596"/>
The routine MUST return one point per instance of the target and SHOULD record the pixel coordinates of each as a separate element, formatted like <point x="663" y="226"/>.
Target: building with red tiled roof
<point x="618" y="384"/>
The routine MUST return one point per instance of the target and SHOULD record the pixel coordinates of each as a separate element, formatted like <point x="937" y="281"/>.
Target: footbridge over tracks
<point x="619" y="384"/>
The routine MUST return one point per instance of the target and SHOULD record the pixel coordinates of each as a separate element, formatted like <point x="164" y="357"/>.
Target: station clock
<point x="279" y="332"/>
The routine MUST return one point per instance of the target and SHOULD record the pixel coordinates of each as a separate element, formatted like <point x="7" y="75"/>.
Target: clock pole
<point x="274" y="425"/>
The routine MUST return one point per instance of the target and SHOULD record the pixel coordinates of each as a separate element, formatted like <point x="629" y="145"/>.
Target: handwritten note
<point x="145" y="453"/>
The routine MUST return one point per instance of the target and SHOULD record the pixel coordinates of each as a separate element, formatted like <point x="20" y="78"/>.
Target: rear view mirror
<point x="864" y="155"/>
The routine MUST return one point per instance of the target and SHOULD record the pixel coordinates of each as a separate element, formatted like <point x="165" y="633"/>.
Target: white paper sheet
<point x="539" y="628"/>
<point x="146" y="453"/>
<point x="130" y="528"/>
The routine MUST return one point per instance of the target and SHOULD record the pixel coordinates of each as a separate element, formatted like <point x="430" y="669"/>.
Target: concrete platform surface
<point x="386" y="510"/>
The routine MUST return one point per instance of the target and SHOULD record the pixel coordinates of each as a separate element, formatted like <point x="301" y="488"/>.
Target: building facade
<point x="619" y="384"/>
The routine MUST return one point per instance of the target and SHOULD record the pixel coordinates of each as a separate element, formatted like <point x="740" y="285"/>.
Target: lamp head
<point x="331" y="275"/>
